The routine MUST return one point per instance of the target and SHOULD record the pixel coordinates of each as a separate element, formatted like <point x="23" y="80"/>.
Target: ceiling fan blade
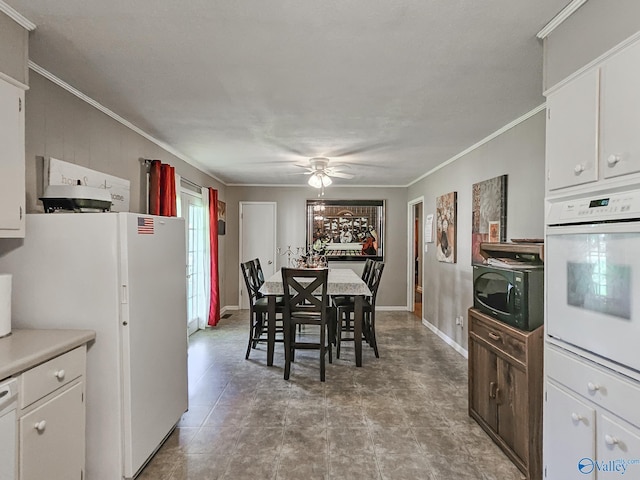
<point x="302" y="166"/>
<point x="339" y="165"/>
<point x="285" y="147"/>
<point x="340" y="175"/>
<point x="365" y="147"/>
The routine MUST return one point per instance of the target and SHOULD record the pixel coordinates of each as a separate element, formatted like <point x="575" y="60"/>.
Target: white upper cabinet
<point x="593" y="124"/>
<point x="12" y="164"/>
<point x="572" y="133"/>
<point x="620" y="113"/>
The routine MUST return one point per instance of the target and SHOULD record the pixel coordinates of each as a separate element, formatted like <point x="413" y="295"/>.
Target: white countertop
<point x="26" y="348"/>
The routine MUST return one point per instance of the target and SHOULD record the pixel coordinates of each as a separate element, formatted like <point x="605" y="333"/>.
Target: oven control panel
<point x="601" y="208"/>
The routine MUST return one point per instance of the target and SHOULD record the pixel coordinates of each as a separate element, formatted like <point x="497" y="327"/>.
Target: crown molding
<point x="331" y="187"/>
<point x="74" y="91"/>
<point x="487" y="139"/>
<point x="556" y="21"/>
<point x="17" y="17"/>
<point x="13" y="81"/>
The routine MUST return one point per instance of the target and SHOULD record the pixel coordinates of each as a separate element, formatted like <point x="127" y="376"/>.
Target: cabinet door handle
<point x="60" y="374"/>
<point x="578" y="169"/>
<point x="593" y="387"/>
<point x="611" y="441"/>
<point x="495" y="337"/>
<point x="576" y="417"/>
<point x="40" y="426"/>
<point x="493" y="389"/>
<point x="613" y="159"/>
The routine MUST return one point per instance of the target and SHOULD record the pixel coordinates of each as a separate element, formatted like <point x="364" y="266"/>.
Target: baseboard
<point x="448" y="340"/>
<point x="391" y="308"/>
<point x="229" y="307"/>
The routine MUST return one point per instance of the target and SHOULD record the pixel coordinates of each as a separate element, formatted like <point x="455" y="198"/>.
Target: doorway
<point x="415" y="257"/>
<point x="257" y="240"/>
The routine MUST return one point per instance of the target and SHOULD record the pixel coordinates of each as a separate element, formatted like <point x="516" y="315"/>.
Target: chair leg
<point x="252" y="343"/>
<point x="372" y="332"/>
<point x="338" y="332"/>
<point x="322" y="352"/>
<point x="287" y="349"/>
<point x="258" y="327"/>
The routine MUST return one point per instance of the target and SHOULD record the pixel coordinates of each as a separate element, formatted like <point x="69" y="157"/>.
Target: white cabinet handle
<point x="60" y="374"/>
<point x="593" y="387"/>
<point x="40" y="426"/>
<point x="613" y="159"/>
<point x="578" y="169"/>
<point x="609" y="440"/>
<point x="576" y="418"/>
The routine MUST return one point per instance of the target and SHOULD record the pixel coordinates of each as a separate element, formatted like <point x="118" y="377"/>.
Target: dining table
<point x="340" y="282"/>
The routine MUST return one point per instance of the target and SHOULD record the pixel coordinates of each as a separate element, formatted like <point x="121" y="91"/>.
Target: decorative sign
<point x="428" y="229"/>
<point x="58" y="172"/>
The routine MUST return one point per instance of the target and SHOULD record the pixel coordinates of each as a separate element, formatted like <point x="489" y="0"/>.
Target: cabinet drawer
<point x="604" y="388"/>
<point x="501" y="338"/>
<point x="49" y="376"/>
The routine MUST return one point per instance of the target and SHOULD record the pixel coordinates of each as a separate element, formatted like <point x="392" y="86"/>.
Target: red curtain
<point x="162" y="189"/>
<point x="214" y="304"/>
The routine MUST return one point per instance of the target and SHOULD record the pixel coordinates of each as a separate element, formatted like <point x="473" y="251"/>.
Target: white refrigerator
<point x="124" y="276"/>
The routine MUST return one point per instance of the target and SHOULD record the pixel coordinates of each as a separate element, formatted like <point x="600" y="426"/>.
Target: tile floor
<point x="402" y="416"/>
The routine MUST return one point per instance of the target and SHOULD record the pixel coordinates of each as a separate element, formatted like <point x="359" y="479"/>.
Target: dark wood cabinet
<point x="505" y="388"/>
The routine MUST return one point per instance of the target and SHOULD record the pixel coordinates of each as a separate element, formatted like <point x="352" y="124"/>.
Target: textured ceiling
<point x="248" y="88"/>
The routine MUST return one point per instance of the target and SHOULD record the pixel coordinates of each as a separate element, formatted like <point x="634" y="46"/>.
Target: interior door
<point x="257" y="239"/>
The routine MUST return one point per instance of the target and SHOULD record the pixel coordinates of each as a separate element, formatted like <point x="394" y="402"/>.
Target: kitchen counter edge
<point x="26" y="348"/>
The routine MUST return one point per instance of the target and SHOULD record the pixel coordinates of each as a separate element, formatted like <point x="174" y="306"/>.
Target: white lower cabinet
<point x="570" y="427"/>
<point x="52" y="438"/>
<point x="590" y="420"/>
<point x="51" y="423"/>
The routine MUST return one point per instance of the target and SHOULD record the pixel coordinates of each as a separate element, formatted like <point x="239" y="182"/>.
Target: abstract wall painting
<point x="489" y="214"/>
<point x="446" y="210"/>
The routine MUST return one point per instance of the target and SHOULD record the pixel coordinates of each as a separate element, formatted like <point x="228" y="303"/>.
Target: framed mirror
<point x="346" y="229"/>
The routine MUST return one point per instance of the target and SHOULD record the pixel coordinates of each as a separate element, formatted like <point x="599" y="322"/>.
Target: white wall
<point x="291" y="230"/>
<point x="519" y="153"/>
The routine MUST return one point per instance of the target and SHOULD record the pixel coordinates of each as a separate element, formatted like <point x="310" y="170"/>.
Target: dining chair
<point x="345" y="307"/>
<point x="258" y="308"/>
<point x="306" y="303"/>
<point x="259" y="271"/>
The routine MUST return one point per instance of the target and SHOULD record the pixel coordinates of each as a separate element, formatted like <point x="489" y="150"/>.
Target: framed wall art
<point x="346" y="229"/>
<point x="446" y="210"/>
<point x="489" y="214"/>
<point x="222" y="217"/>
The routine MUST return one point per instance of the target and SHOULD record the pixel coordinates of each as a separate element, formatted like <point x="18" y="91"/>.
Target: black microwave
<point x="513" y="296"/>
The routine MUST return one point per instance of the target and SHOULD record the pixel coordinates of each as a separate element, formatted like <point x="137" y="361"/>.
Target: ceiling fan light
<point x="326" y="180"/>
<point x="315" y="180"/>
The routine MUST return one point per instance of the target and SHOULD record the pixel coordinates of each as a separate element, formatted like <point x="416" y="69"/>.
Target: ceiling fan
<point x="321" y="172"/>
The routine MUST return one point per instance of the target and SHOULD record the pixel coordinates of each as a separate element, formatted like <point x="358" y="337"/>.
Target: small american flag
<point x="145" y="225"/>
